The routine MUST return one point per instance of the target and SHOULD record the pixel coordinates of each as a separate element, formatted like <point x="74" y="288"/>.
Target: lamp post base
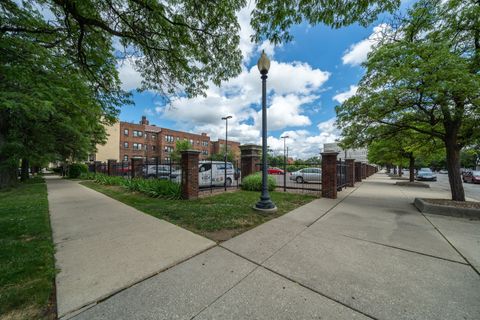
<point x="265" y="206"/>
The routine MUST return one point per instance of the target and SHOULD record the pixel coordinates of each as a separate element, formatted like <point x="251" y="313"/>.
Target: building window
<point x="205" y="152"/>
<point x="167" y="158"/>
<point x="198" y="142"/>
<point x="154" y="148"/>
<point x="178" y="138"/>
<point x="145" y="147"/>
<point x="146" y="135"/>
<point x="125" y="158"/>
<point x="205" y="143"/>
<point x="169" y="138"/>
<point x="137" y="146"/>
<point x="154" y="136"/>
<point x="125" y="132"/>
<point x="125" y="145"/>
<point x="137" y="133"/>
<point x="168" y="149"/>
<point x="191" y="142"/>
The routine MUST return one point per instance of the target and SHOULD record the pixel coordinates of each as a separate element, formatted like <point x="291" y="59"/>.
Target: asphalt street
<point x="471" y="190"/>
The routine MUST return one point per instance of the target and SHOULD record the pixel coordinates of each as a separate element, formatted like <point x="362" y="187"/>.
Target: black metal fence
<point x="211" y="173"/>
<point x="298" y="178"/>
<point x="341" y="174"/>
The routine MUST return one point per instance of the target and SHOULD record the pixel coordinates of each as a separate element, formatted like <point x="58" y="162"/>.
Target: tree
<point x="272" y="19"/>
<point x="181" y="145"/>
<point x="221" y="156"/>
<point x="424" y="77"/>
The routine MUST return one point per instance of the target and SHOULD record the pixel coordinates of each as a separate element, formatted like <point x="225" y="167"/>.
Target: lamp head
<point x="263" y="63"/>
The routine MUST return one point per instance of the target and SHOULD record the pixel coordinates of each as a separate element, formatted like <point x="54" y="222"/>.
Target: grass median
<point x="27" y="268"/>
<point x="217" y="217"/>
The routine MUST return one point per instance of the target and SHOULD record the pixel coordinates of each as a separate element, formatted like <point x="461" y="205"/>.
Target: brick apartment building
<point x="142" y="140"/>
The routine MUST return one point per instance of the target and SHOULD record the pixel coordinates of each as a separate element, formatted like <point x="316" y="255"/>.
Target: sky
<point x="308" y="77"/>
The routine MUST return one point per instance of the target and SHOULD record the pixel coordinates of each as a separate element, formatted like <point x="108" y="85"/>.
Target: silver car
<point x="307" y="175"/>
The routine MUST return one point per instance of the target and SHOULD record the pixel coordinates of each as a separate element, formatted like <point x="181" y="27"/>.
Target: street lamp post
<point x="265" y="204"/>
<point x="285" y="163"/>
<point x="225" y="157"/>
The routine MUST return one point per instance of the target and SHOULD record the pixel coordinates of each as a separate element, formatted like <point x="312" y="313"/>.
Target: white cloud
<point x="291" y="86"/>
<point x="358" y="52"/>
<point x="302" y="144"/>
<point x="131" y="79"/>
<point x="342" y="96"/>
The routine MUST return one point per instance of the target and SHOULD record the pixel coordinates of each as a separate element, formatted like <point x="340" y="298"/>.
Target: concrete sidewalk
<point x="367" y="255"/>
<point x="103" y="246"/>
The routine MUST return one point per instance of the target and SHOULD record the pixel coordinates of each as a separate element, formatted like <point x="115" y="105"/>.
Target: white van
<point x="210" y="173"/>
<point x="213" y="173"/>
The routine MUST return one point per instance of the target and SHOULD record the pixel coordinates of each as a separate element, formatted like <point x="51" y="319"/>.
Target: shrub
<point x="76" y="169"/>
<point x="87" y="176"/>
<point x="253" y="182"/>
<point x="150" y="187"/>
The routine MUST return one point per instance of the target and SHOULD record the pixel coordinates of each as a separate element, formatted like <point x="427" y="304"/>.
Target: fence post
<point x="350" y="172"/>
<point x="189" y="163"/>
<point x="111" y="167"/>
<point x="250" y="157"/>
<point x="98" y="167"/>
<point x="329" y="175"/>
<point x="137" y="166"/>
<point x="364" y="171"/>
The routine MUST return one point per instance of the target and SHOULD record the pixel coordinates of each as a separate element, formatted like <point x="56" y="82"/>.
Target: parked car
<point x="275" y="170"/>
<point x="426" y="174"/>
<point x="471" y="176"/>
<point x="162" y="172"/>
<point x="307" y="175"/>
<point x="210" y="173"/>
<point x="443" y="171"/>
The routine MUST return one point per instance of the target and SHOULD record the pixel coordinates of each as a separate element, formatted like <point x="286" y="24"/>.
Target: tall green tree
<point x="425" y="77"/>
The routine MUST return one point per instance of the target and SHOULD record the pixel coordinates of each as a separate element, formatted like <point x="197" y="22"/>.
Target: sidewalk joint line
<point x="300" y="284"/>
<point x="404" y="249"/>
<point x="451" y="244"/>
<point x="115" y="292"/>
<point x="218" y="298"/>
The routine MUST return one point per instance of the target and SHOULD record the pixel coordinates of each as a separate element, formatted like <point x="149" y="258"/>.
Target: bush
<point x="151" y="187"/>
<point x="253" y="182"/>
<point x="76" y="169"/>
<point x="87" y="176"/>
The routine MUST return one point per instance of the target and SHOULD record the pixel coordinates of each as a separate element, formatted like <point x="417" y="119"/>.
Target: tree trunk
<point x="411" y="167"/>
<point x="453" y="167"/>
<point x="8" y="167"/>
<point x="24" y="173"/>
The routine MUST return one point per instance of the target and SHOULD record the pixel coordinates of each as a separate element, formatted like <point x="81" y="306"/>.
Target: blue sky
<point x="308" y="78"/>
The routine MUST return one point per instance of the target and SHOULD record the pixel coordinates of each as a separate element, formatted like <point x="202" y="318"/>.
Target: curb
<point x="426" y="207"/>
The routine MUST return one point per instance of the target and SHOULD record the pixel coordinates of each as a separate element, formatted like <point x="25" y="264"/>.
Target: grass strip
<point x="217" y="217"/>
<point x="27" y="268"/>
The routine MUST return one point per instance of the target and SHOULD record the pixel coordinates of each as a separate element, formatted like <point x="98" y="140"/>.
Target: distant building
<point x="142" y="140"/>
<point x="357" y="154"/>
<point x="111" y="149"/>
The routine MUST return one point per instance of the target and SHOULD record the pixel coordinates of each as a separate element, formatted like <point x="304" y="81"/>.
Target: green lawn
<point x="217" y="217"/>
<point x="27" y="269"/>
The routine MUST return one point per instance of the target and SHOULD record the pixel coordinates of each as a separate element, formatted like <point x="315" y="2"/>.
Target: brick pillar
<point x="189" y="164"/>
<point x="250" y="159"/>
<point x="358" y="171"/>
<point x="112" y="164"/>
<point x="350" y="172"/>
<point x="364" y="171"/>
<point x="137" y="167"/>
<point x="329" y="175"/>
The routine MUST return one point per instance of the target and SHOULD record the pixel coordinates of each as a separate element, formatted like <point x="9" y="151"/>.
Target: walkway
<point x="103" y="246"/>
<point x="368" y="255"/>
